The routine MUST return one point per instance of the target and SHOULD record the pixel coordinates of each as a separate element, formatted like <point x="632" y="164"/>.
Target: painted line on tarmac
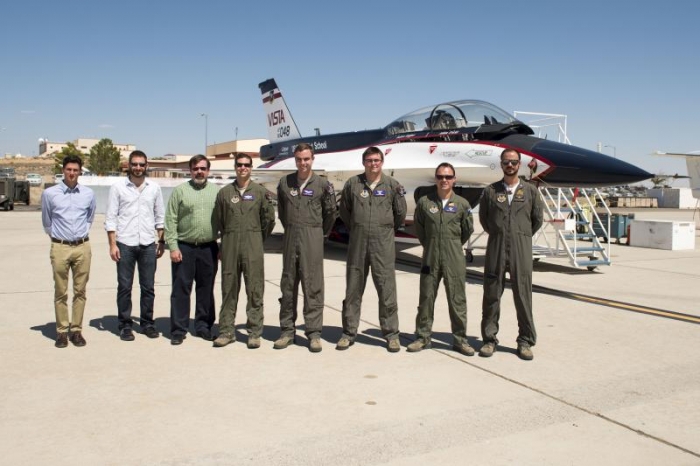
<point x="680" y="316"/>
<point x="683" y="317"/>
<point x="456" y="357"/>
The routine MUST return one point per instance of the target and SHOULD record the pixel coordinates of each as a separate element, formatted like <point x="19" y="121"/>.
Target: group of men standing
<point x="372" y="206"/>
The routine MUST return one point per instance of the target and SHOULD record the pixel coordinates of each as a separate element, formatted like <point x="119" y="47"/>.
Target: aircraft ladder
<point x="570" y="216"/>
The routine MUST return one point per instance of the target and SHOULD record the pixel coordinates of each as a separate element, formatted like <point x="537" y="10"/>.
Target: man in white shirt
<point x="134" y="223"/>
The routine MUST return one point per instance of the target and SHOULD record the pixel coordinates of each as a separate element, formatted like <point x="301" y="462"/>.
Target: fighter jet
<point x="469" y="134"/>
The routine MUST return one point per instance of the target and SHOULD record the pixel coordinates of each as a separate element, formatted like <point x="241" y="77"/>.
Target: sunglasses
<point x="371" y="161"/>
<point x="444" y="177"/>
<point x="247" y="165"/>
<point x="199" y="169"/>
<point x="512" y="163"/>
<point x="136" y="164"/>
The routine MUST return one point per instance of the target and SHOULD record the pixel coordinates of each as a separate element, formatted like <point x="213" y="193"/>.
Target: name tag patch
<point x="379" y="193"/>
<point x="248" y="197"/>
<point x="451" y="209"/>
<point x="307" y="192"/>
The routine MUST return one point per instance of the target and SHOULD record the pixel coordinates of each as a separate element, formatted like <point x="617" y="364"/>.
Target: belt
<point x="71" y="243"/>
<point x="197" y="244"/>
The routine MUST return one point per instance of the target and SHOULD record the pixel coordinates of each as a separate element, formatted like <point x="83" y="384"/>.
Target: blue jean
<point x="145" y="258"/>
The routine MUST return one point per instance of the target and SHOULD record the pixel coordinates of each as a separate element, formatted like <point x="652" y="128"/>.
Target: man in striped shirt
<point x="190" y="232"/>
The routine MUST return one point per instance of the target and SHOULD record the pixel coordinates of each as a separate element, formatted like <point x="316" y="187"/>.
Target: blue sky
<point x="625" y="73"/>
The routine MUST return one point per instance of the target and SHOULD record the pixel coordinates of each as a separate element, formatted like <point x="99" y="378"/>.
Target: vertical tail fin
<point x="280" y="124"/>
<point x="692" y="161"/>
<point x="693" y="164"/>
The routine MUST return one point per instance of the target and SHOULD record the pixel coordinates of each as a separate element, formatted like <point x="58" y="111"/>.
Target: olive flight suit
<point x="442" y="231"/>
<point x="307" y="214"/>
<point x="510" y="227"/>
<point x="245" y="221"/>
<point x="372" y="216"/>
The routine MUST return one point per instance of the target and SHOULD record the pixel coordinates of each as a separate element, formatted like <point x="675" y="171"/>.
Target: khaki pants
<point x="77" y="259"/>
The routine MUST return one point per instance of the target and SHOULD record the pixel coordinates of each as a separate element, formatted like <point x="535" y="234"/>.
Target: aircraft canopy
<point x="450" y="115"/>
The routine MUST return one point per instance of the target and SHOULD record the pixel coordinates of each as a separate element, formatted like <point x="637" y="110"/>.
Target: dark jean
<point x="145" y="258"/>
<point x="199" y="265"/>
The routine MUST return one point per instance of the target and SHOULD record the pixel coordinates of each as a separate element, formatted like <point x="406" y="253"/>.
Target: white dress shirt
<point x="135" y="214"/>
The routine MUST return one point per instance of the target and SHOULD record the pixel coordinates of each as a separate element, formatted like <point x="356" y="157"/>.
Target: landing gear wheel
<point x="591" y="268"/>
<point x="470" y="257"/>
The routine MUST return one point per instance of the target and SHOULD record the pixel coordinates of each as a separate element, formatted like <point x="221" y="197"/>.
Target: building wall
<point x="47" y="148"/>
<point x="223" y="149"/>
<point x="674" y="198"/>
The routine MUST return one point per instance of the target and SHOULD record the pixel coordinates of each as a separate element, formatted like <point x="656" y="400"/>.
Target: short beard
<point x="199" y="181"/>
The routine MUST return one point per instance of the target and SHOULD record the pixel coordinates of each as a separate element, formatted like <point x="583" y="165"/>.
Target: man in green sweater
<point x="190" y="232"/>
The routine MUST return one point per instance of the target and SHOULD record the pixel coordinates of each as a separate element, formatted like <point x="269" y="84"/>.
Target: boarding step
<point x="592" y="264"/>
<point x="591" y="249"/>
<point x="571" y="217"/>
<point x="578" y="236"/>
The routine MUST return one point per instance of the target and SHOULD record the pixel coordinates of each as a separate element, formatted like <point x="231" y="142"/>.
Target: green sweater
<point x="190" y="216"/>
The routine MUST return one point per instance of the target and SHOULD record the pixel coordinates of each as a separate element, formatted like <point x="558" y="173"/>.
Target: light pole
<point x="206" y="132"/>
<point x="614" y="150"/>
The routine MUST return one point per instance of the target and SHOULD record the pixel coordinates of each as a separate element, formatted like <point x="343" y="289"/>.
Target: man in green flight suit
<point x="443" y="224"/>
<point x="373" y="207"/>
<point x="246" y="218"/>
<point x="510" y="211"/>
<point x="307" y="209"/>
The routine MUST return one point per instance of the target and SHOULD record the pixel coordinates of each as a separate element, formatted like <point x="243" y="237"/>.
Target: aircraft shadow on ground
<point x="548" y="267"/>
<point x="478" y="261"/>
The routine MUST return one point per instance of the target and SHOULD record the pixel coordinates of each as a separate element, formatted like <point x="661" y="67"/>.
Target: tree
<point x="661" y="181"/>
<point x="104" y="157"/>
<point x="66" y="151"/>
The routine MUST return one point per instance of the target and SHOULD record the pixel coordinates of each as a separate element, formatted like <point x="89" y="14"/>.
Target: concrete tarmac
<point x="608" y="385"/>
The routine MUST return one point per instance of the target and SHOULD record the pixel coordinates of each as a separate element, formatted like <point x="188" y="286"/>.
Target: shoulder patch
<point x="400" y="190"/>
<point x="268" y="195"/>
<point x="329" y="188"/>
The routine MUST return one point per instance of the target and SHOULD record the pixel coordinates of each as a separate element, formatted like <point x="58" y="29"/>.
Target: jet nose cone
<point x="574" y="166"/>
